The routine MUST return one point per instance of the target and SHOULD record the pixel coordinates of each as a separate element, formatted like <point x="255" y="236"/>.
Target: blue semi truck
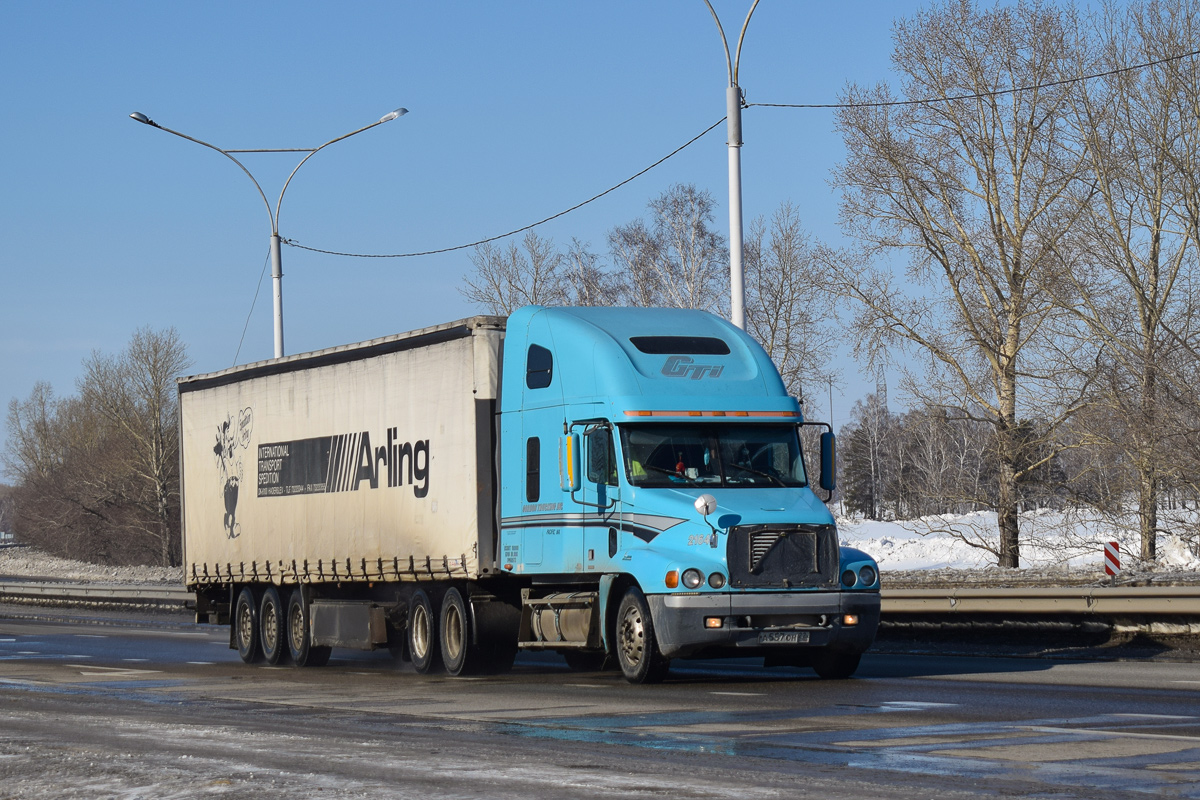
<point x="621" y="486"/>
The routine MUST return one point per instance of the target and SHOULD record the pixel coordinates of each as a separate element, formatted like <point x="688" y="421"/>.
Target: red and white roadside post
<point x="1112" y="558"/>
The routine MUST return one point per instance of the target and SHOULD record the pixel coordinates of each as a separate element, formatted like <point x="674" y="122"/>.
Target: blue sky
<point x="517" y="111"/>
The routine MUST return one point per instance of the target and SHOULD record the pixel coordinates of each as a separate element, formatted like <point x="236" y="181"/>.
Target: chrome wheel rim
<point x="633" y="636"/>
<point x="420" y="631"/>
<point x="245" y="626"/>
<point x="452" y="633"/>
<point x="296" y="628"/>
<point x="270" y="623"/>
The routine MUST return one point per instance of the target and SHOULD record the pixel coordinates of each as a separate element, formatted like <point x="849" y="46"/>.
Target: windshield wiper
<point x="767" y="475"/>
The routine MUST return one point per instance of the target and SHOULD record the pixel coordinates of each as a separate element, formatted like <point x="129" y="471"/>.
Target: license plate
<point x="783" y="637"/>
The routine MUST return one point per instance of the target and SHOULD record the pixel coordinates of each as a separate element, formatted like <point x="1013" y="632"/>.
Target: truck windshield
<point x="712" y="455"/>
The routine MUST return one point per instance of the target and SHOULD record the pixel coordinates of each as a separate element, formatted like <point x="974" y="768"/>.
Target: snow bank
<point x="1049" y="540"/>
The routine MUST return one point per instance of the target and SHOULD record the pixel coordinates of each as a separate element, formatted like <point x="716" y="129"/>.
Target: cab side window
<point x="539" y="367"/>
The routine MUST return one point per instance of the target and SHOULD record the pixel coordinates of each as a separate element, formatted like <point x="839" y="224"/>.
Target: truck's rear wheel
<point x="299" y="635"/>
<point x="459" y="650"/>
<point x="833" y="666"/>
<point x="423" y="645"/>
<point x="245" y="626"/>
<point x="637" y="646"/>
<point x="272" y="632"/>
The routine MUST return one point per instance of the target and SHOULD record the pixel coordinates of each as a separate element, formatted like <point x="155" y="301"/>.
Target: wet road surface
<point x="167" y="710"/>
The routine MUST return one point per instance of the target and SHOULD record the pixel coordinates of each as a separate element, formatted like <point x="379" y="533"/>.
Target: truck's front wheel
<point x="637" y="646"/>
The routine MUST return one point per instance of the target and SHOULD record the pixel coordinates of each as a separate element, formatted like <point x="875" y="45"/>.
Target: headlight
<point x="868" y="576"/>
<point x="848" y="578"/>
<point x="716" y="580"/>
<point x="692" y="578"/>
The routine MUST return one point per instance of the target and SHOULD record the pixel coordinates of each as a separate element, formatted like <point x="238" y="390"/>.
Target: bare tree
<point x="677" y="261"/>
<point x="1132" y="280"/>
<point x="508" y="278"/>
<point x="586" y="279"/>
<point x="135" y="393"/>
<point x="788" y="307"/>
<point x="975" y="190"/>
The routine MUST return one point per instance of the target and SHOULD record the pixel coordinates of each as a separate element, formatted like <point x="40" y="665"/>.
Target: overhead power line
<point x="981" y="95"/>
<point x="697" y="137"/>
<point x="691" y="141"/>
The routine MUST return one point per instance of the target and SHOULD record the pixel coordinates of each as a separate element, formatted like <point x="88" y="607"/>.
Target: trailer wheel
<point x="637" y="646"/>
<point x="245" y="627"/>
<point x="423" y="634"/>
<point x="460" y="653"/>
<point x="299" y="637"/>
<point x="833" y="666"/>
<point x="271" y="627"/>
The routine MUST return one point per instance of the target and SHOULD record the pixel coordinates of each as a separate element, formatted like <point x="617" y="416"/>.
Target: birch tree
<point x="974" y="189"/>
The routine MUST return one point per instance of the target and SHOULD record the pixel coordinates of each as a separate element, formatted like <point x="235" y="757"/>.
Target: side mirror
<point x="828" y="461"/>
<point x="598" y="456"/>
<point x="568" y="463"/>
<point x="706" y="504"/>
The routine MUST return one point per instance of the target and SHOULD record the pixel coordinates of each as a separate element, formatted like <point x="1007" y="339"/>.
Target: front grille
<point x="783" y="556"/>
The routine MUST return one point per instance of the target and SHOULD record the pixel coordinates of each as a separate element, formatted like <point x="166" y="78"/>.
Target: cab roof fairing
<point x="595" y="361"/>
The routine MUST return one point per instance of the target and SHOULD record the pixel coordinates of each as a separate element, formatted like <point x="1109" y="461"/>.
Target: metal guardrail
<point x="1100" y="601"/>
<point x="123" y="594"/>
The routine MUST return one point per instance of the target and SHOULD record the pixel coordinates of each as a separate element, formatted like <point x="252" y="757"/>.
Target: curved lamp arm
<point x="399" y="112"/>
<point x="137" y="116"/>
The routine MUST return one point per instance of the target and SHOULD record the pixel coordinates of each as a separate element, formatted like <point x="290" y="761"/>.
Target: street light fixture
<point x="733" y="111"/>
<point x="276" y="255"/>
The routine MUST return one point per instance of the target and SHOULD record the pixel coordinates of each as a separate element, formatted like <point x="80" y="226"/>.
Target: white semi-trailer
<point x="597" y="482"/>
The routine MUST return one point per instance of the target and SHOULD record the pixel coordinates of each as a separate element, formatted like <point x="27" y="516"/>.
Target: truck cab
<point x="655" y="500"/>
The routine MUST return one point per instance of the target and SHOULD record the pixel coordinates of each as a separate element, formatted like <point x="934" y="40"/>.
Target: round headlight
<point x="848" y="578"/>
<point x="692" y="578"/>
<point x="716" y="580"/>
<point x="868" y="576"/>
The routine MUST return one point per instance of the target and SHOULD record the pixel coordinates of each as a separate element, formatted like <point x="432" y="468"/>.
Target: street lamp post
<point x="276" y="254"/>
<point x="733" y="110"/>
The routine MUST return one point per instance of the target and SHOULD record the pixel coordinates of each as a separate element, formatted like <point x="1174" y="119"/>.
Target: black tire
<point x="272" y="628"/>
<point x="299" y="634"/>
<point x="245" y="627"/>
<point x="423" y="647"/>
<point x="834" y="666"/>
<point x="637" y="645"/>
<point x="583" y="661"/>
<point x="456" y="634"/>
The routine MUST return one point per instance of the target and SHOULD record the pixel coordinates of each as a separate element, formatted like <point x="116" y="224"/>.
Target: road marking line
<point x="914" y="705"/>
<point x="112" y="671"/>
<point x="587" y="685"/>
<point x="202" y="663"/>
<point x="7" y="640"/>
<point x="1159" y="716"/>
<point x="741" y="694"/>
<point x="89" y="636"/>
<point x="135" y="659"/>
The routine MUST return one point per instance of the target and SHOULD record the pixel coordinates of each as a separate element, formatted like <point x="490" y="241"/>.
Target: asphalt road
<point x="167" y="711"/>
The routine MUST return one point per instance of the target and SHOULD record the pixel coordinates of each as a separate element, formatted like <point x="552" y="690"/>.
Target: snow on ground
<point x="24" y="562"/>
<point x="1050" y="540"/>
